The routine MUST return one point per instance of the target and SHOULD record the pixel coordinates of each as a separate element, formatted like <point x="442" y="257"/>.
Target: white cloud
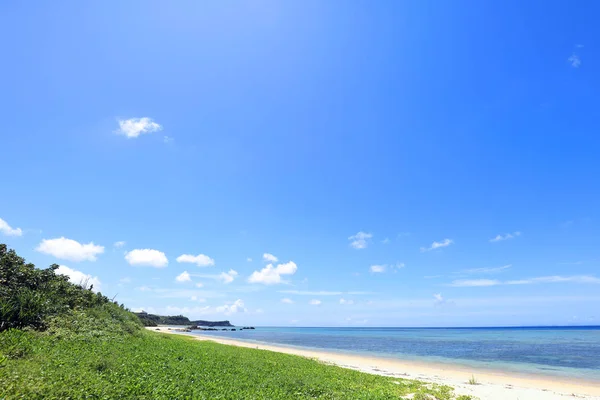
<point x="79" y="278"/>
<point x="228" y="277"/>
<point x="385" y="241"/>
<point x="400" y="265"/>
<point x="147" y="257"/>
<point x="437" y="245"/>
<point x="475" y="282"/>
<point x="507" y="236"/>
<point x="574" y="60"/>
<point x="347" y="302"/>
<point x="134" y="127"/>
<point x="236" y="307"/>
<point x="249" y="259"/>
<point x="360" y="240"/>
<point x="69" y="249"/>
<point x="125" y="280"/>
<point x="183" y="277"/>
<point x="490" y="270"/>
<point x="271" y="275"/>
<point x="168" y="139"/>
<point x="377" y="268"/>
<point x="314" y="302"/>
<point x="6" y="229"/>
<point x="270" y="258"/>
<point x="287" y="301"/>
<point x="200" y="260"/>
<point x="119" y="244"/>
<point x="199" y="284"/>
<point x="144" y="289"/>
<point x="441" y="301"/>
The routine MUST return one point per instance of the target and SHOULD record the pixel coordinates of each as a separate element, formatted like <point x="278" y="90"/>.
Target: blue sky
<point x="309" y="163"/>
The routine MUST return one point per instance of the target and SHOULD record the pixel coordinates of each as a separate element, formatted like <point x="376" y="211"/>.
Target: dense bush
<point x="40" y="298"/>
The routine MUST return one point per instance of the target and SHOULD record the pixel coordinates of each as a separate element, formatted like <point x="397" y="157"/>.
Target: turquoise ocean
<point x="567" y="352"/>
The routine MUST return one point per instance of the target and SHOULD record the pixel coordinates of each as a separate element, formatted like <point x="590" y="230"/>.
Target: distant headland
<point x="155" y="320"/>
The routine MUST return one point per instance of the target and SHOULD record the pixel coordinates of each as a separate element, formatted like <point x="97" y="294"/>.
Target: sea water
<point x="569" y="352"/>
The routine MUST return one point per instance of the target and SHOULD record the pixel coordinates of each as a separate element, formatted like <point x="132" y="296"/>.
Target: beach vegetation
<point x="63" y="341"/>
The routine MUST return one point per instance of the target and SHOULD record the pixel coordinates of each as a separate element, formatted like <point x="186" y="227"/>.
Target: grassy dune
<point x="149" y="365"/>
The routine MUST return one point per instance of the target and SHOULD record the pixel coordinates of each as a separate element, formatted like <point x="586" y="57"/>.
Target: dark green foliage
<point x="33" y="298"/>
<point x="154" y="320"/>
<point x="201" y="322"/>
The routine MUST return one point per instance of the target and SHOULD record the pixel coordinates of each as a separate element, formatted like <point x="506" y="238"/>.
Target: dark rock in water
<point x="157" y="329"/>
<point x="233" y="329"/>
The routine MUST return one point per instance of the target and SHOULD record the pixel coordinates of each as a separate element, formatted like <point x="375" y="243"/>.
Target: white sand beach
<point x="491" y="385"/>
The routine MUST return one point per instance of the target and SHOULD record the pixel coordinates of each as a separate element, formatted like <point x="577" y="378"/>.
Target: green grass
<point x="149" y="365"/>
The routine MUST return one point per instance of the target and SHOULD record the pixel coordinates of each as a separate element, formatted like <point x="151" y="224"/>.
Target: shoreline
<point x="491" y="385"/>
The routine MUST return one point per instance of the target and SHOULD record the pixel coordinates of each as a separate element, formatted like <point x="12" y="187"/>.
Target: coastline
<point x="491" y="385"/>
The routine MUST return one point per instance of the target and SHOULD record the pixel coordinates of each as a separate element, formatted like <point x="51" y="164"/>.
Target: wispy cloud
<point x="314" y="302"/>
<point x="529" y="281"/>
<point x="380" y="268"/>
<point x="437" y="245"/>
<point x="200" y="260"/>
<point x="507" y="236"/>
<point x="474" y="282"/>
<point x="491" y="270"/>
<point x="228" y="309"/>
<point x="346" y="301"/>
<point x="385" y="241"/>
<point x="267" y="257"/>
<point x="119" y="244"/>
<point x="134" y="127"/>
<point x="287" y="301"/>
<point x="6" y="229"/>
<point x="360" y="240"/>
<point x="556" y="279"/>
<point x="168" y="139"/>
<point x="321" y="293"/>
<point x="574" y="60"/>
<point x="377" y="268"/>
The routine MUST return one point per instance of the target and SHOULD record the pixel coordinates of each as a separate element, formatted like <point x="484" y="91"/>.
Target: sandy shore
<point x="491" y="385"/>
